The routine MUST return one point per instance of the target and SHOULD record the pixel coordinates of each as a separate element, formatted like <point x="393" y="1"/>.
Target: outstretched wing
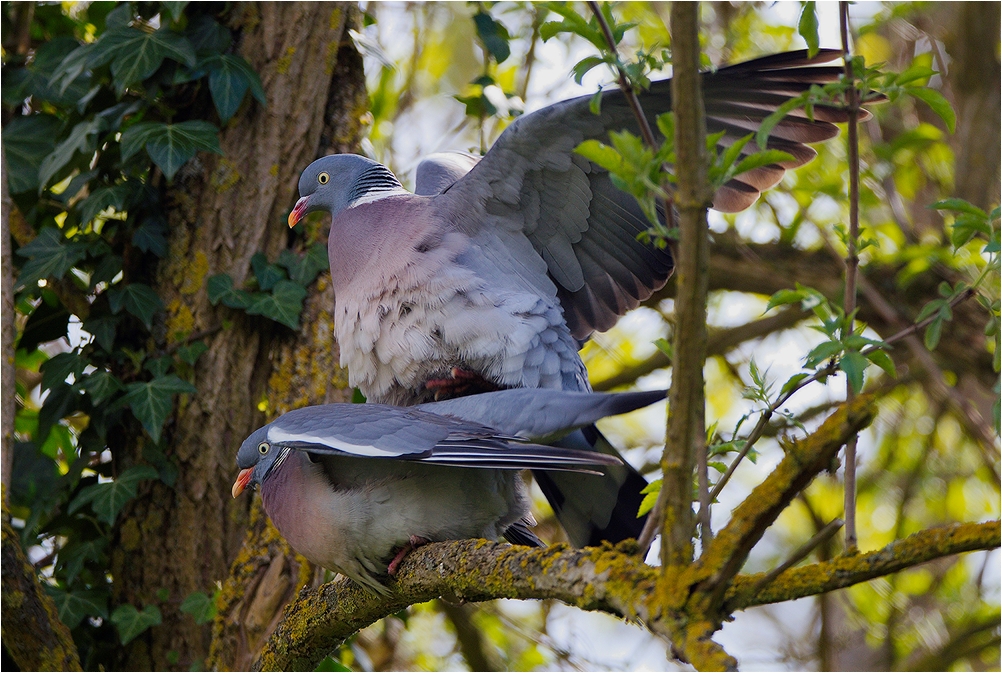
<point x="531" y="189"/>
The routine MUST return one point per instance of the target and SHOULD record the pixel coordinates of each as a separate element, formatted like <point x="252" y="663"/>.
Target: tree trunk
<point x="221" y="211"/>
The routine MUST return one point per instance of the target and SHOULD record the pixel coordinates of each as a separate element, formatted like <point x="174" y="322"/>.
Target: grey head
<point x="255" y="458"/>
<point x="335" y="182"/>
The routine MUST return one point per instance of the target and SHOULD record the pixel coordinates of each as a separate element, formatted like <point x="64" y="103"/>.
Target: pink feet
<point x="413" y="543"/>
<point x="462" y="382"/>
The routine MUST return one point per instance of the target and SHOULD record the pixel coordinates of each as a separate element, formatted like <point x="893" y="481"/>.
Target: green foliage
<point x="201" y="607"/>
<point x="112" y="101"/>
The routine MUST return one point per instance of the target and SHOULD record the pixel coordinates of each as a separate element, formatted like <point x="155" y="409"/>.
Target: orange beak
<point x="298" y="212"/>
<point x="243" y="477"/>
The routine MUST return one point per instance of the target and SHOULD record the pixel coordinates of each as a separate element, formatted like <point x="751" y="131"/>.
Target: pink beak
<point x="243" y="477"/>
<point x="298" y="212"/>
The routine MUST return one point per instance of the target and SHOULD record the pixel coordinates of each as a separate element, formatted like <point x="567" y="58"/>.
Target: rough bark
<point x="221" y="211"/>
<point x="39" y="641"/>
<point x="685" y="442"/>
<point x="7" y="403"/>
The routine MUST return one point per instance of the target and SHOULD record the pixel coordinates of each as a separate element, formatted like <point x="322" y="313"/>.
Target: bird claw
<point x="413" y="543"/>
<point x="461" y="382"/>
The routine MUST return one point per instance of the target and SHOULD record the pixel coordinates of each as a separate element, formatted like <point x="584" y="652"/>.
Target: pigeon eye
<point x="263" y="448"/>
<point x="324" y="178"/>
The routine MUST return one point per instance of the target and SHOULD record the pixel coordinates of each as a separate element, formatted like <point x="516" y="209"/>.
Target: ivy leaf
<point x="60" y="367"/>
<point x="220" y="289"/>
<point x="175" y="9"/>
<point x="138" y="299"/>
<point x="101" y="385"/>
<point x="26" y="142"/>
<point x="304" y="269"/>
<point x="283" y="304"/>
<point x="192" y="352"/>
<point x="114" y="196"/>
<point x="170" y="146"/>
<point x="199" y="606"/>
<point x="46" y="323"/>
<point x="229" y="78"/>
<point x="151" y="401"/>
<point x="74" y="606"/>
<point x="108" y="499"/>
<point x="103" y="329"/>
<point x="151" y="236"/>
<point x="135" y="54"/>
<point x="131" y="622"/>
<point x="267" y="274"/>
<point x="81" y="139"/>
<point x="73" y="556"/>
<point x="49" y="255"/>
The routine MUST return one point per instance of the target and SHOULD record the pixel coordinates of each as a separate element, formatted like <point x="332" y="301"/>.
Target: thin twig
<point x="830" y="369"/>
<point x="851" y="263"/>
<point x="634" y="102"/>
<point x="819" y="538"/>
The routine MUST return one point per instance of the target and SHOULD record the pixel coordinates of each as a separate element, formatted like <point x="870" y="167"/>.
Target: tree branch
<point x="850" y="569"/>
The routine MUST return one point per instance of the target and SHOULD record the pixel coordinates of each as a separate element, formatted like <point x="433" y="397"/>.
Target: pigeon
<point x="496" y="271"/>
<point x="354" y="487"/>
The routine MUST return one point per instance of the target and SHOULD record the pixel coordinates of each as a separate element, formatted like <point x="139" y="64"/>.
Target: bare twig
<point x="819" y="538"/>
<point x="851" y="263"/>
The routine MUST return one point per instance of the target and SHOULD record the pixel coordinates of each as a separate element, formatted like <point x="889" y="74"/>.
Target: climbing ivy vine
<point x="98" y="121"/>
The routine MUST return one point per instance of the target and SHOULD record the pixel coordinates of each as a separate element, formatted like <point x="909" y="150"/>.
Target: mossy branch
<point x="804" y="459"/>
<point x="613" y="580"/>
<point x="33" y="634"/>
<point x="850" y="569"/>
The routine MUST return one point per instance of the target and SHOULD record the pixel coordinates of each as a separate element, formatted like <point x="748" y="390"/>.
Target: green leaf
<point x="49" y="255"/>
<point x="664" y="346"/>
<point x="101" y="198"/>
<point x="199" y="606"/>
<point x="131" y="622"/>
<point x="151" y="401"/>
<point x="823" y="351"/>
<point x="932" y="333"/>
<point x="60" y="367"/>
<point x="763" y="158"/>
<point x="103" y="329"/>
<point x="138" y="299"/>
<point x="882" y="360"/>
<point x="329" y="663"/>
<point x="229" y="79"/>
<point x="192" y="352"/>
<point x="283" y="304"/>
<point x="303" y="269"/>
<point x="769" y="123"/>
<point x="267" y="274"/>
<point x="46" y="323"/>
<point x="601" y="154"/>
<point x="792" y="383"/>
<point x="960" y="206"/>
<point x="74" y="606"/>
<point x="175" y="9"/>
<point x="81" y="139"/>
<point x="108" y="499"/>
<point x="493" y="35"/>
<point x="930" y="308"/>
<point x="101" y="385"/>
<point x="650" y="493"/>
<point x="136" y="54"/>
<point x="784" y="297"/>
<point x="808" y="27"/>
<point x="220" y="289"/>
<point x="26" y="142"/>
<point x="151" y="236"/>
<point x="938" y="103"/>
<point x="854" y="364"/>
<point x="170" y="145"/>
<point x="582" y="67"/>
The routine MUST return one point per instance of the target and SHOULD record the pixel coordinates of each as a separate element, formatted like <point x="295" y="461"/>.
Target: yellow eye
<point x="263" y="448"/>
<point x="324" y="178"/>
